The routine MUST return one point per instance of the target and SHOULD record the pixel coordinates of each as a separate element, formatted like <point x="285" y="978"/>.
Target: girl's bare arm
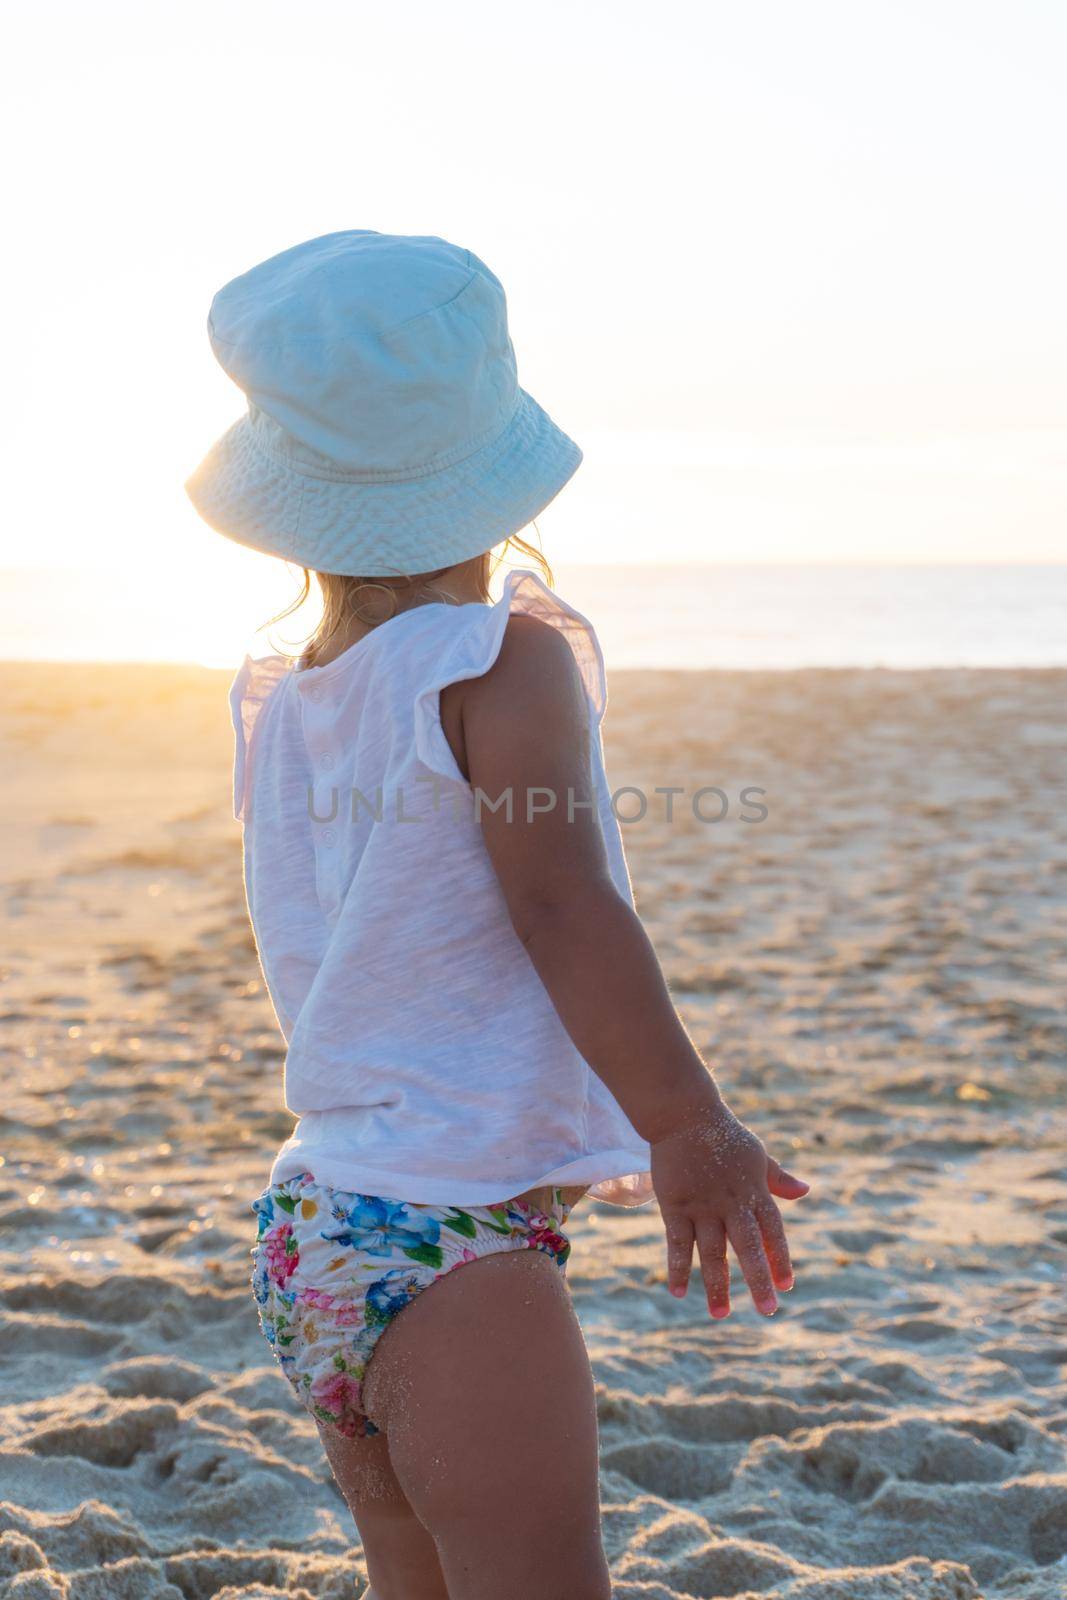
<point x="523" y="728"/>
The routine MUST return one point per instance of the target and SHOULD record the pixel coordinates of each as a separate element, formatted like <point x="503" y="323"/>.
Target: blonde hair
<point x="372" y="601"/>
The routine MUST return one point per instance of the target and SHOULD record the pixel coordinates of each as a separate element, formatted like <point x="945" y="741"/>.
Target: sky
<point x="790" y="274"/>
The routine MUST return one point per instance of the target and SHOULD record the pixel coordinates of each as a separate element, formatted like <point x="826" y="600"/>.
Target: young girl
<point x="478" y="1030"/>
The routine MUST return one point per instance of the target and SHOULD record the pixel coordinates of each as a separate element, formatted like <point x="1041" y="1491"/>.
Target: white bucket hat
<point x="386" y="431"/>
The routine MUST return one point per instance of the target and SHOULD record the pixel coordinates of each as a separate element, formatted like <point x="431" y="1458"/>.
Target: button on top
<point x="314" y="691"/>
<point x="326" y="760"/>
<point x="328" y="836"/>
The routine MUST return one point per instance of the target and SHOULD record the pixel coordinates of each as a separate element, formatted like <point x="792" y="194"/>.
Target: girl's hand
<point x="714" y="1182"/>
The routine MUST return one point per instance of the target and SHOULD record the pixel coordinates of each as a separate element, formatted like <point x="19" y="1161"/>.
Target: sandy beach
<point x="877" y="971"/>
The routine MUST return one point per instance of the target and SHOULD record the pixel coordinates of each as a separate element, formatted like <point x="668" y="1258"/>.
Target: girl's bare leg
<point x="401" y="1556"/>
<point x="483" y="1387"/>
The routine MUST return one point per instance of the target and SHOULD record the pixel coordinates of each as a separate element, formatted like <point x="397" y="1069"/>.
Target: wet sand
<point x="876" y="970"/>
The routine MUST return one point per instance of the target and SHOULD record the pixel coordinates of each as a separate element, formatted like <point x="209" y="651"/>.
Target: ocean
<point x="825" y="616"/>
<point x="738" y="617"/>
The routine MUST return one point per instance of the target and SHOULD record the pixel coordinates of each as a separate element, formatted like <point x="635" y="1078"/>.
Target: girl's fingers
<point x="679" y="1251"/>
<point x="783" y="1183"/>
<point x="747" y="1240"/>
<point x="774" y="1243"/>
<point x="714" y="1267"/>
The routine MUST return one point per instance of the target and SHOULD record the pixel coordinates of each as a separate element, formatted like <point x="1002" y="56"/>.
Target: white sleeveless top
<point x="425" y="1059"/>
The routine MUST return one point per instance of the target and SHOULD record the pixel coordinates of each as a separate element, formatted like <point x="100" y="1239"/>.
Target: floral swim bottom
<point x="332" y="1269"/>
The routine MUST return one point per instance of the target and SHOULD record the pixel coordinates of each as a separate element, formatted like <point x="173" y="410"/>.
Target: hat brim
<point x="381" y="529"/>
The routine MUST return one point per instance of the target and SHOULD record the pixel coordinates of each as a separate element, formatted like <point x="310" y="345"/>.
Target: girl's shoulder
<point x="480" y="638"/>
<point x="473" y="639"/>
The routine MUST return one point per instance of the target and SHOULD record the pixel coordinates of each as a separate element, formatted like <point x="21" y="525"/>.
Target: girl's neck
<point x="456" y="586"/>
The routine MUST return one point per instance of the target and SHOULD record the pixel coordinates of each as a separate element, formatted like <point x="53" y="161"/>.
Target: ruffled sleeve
<point x="250" y="690"/>
<point x="477" y="645"/>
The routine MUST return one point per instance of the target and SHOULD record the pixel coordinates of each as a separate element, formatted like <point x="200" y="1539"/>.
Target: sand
<point x="877" y="971"/>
